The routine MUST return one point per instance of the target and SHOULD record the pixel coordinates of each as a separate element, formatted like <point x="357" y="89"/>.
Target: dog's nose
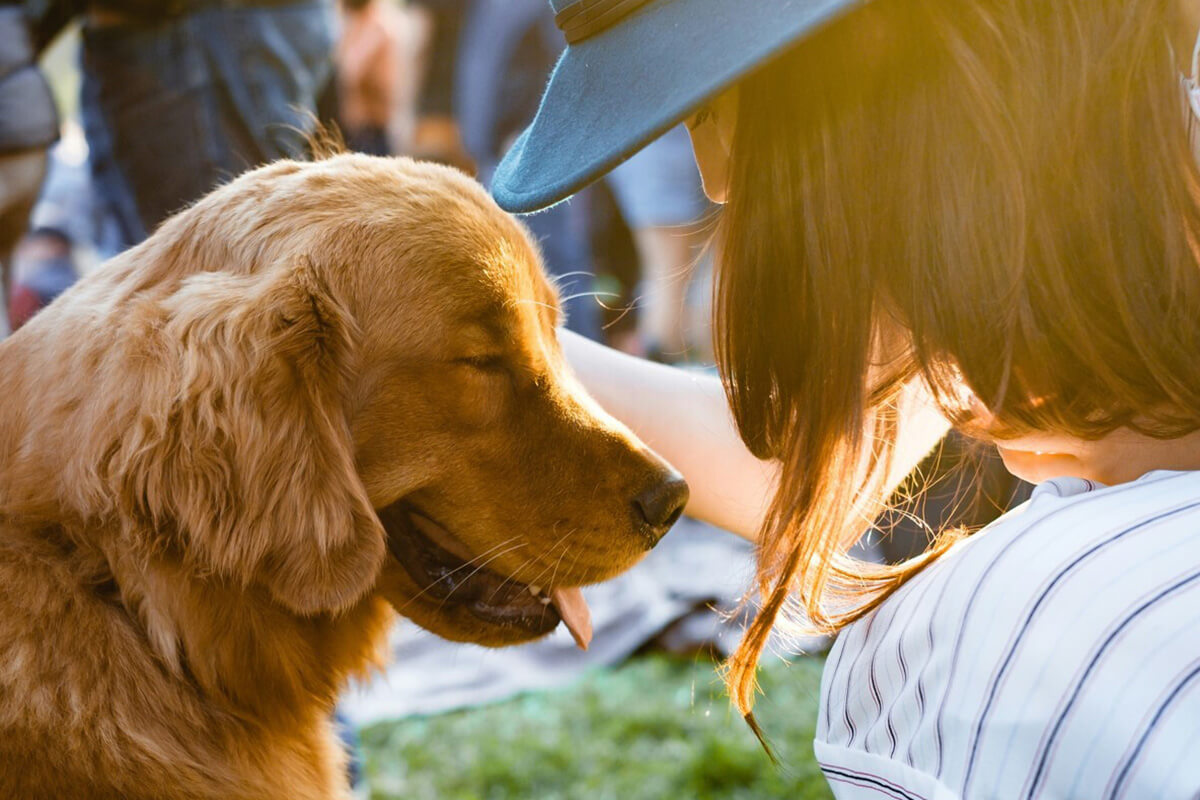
<point x="661" y="505"/>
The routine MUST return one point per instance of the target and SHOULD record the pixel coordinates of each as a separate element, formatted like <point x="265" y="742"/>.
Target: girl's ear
<point x="243" y="445"/>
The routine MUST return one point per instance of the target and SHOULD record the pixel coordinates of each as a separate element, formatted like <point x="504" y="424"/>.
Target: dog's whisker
<point x="564" y="543"/>
<point x="626" y="311"/>
<point x="557" y="564"/>
<point x="468" y="564"/>
<point x="574" y="559"/>
<point x="595" y="295"/>
<point x="537" y="579"/>
<point x="531" y="302"/>
<point x="512" y="580"/>
<point x="556" y="280"/>
<point x="483" y="566"/>
<point x="478" y="568"/>
<point x="485" y="554"/>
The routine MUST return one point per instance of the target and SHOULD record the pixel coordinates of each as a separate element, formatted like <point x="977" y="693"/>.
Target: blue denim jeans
<point x="173" y="109"/>
<point x="507" y="48"/>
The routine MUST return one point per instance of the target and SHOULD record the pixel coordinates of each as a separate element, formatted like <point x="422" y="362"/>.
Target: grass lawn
<point x="657" y="728"/>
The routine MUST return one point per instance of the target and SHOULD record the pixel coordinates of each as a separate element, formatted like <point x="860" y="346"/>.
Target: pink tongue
<point x="575" y="614"/>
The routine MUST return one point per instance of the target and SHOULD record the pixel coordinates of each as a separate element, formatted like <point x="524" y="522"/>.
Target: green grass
<point x="655" y="728"/>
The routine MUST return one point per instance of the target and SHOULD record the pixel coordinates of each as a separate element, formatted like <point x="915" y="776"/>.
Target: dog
<point x="326" y="393"/>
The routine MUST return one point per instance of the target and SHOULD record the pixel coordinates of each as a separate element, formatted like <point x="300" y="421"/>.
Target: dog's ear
<point x="246" y="452"/>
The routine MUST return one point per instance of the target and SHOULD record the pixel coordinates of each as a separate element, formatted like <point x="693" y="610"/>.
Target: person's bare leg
<point x="668" y="256"/>
<point x="21" y="176"/>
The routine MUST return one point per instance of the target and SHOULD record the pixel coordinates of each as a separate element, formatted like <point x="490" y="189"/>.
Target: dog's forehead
<point x="419" y="231"/>
<point x="516" y="291"/>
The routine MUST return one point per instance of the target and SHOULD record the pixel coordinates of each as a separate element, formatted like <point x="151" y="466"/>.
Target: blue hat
<point x="632" y="70"/>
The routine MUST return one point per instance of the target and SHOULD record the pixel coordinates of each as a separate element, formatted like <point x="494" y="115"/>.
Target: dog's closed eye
<point x="486" y="363"/>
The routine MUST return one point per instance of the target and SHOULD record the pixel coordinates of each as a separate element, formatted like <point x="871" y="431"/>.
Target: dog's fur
<point x="194" y="445"/>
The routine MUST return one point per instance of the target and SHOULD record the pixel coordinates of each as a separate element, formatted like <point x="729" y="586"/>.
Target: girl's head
<point x="996" y="197"/>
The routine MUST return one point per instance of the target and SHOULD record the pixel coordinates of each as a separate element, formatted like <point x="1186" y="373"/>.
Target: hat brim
<point x="611" y="95"/>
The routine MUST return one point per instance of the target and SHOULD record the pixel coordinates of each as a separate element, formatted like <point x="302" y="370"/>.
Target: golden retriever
<point x="325" y="391"/>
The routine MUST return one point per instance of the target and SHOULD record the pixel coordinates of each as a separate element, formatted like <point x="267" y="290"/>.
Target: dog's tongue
<point x="575" y="614"/>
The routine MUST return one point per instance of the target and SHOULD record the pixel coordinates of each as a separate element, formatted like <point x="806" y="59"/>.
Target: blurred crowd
<point x="176" y="96"/>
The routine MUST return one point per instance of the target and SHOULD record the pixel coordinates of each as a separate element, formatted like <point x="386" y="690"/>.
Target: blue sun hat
<point x="632" y="70"/>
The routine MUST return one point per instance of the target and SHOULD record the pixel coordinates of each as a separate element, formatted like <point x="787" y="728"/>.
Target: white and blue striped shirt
<point x="1056" y="654"/>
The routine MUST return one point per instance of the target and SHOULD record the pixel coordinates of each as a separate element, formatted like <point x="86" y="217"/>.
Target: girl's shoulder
<point x="1071" y="535"/>
<point x="1044" y="649"/>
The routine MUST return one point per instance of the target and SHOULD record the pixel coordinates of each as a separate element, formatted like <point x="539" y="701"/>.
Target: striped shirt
<point x="1056" y="654"/>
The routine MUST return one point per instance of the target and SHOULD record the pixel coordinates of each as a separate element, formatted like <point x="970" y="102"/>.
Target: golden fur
<point x="194" y="445"/>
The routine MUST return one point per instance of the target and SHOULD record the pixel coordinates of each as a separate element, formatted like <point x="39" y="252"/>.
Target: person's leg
<point x="667" y="256"/>
<point x="43" y="268"/>
<point x="660" y="196"/>
<point x="566" y="247"/>
<point x="369" y="139"/>
<point x="21" y="176"/>
<point x="270" y="65"/>
<point x="173" y="109"/>
<point x="142" y="105"/>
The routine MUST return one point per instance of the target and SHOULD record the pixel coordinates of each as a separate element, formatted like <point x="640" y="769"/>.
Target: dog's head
<point x="357" y="387"/>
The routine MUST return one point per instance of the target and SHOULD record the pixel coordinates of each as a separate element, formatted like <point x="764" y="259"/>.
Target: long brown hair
<point x="996" y="195"/>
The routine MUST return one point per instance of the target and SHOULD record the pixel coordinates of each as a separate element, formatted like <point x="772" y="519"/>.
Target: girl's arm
<point x="684" y="417"/>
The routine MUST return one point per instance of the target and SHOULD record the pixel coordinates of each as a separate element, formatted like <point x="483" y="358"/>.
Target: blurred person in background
<point x="370" y="73"/>
<point x="28" y="126"/>
<point x="43" y="268"/>
<point x="661" y="199"/>
<point x="69" y="203"/>
<point x="485" y="64"/>
<point x="180" y="95"/>
<point x="68" y="235"/>
<point x="507" y="49"/>
<point x="436" y="28"/>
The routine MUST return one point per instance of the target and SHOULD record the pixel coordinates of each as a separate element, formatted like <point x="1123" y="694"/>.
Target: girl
<point x="985" y="209"/>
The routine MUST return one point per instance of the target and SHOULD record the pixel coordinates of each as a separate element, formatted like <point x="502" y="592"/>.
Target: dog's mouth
<point x="446" y="571"/>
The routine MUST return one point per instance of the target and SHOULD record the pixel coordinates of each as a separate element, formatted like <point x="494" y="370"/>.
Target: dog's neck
<point x="243" y="652"/>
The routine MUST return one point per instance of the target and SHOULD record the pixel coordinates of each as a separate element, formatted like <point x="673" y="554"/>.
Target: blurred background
<point x="116" y="113"/>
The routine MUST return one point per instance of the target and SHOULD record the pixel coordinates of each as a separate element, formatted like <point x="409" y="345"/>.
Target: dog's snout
<point x="661" y="505"/>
